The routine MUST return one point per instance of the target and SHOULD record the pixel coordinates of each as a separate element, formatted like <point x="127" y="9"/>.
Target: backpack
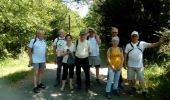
<point x="71" y="59"/>
<point x="58" y="40"/>
<point x="133" y="47"/>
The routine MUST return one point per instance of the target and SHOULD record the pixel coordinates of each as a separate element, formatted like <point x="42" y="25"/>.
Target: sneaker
<point x="41" y="86"/>
<point x="97" y="80"/>
<point x="108" y="95"/>
<point x="36" y="90"/>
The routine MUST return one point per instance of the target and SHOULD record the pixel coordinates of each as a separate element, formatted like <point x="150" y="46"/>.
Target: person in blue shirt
<point x="37" y="52"/>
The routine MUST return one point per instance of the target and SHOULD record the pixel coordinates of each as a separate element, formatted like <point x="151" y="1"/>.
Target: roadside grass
<point x="157" y="80"/>
<point x="13" y="70"/>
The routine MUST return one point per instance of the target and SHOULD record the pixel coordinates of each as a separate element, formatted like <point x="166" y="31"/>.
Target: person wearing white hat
<point x="58" y="47"/>
<point x="134" y="60"/>
<point x="94" y="58"/>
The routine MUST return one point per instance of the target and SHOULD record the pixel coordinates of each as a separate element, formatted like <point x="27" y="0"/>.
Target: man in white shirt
<point x="81" y="60"/>
<point x="134" y="60"/>
<point x="37" y="52"/>
<point x="58" y="47"/>
<point x="94" y="58"/>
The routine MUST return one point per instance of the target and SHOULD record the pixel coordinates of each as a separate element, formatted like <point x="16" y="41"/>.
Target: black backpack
<point x="133" y="47"/>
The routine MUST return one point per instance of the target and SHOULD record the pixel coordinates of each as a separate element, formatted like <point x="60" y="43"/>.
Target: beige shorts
<point x="94" y="61"/>
<point x="133" y="72"/>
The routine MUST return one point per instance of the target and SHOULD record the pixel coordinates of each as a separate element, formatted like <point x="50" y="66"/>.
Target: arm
<point x="125" y="60"/>
<point x="108" y="58"/>
<point x="98" y="39"/>
<point x="46" y="55"/>
<point x="30" y="55"/>
<point x="54" y="54"/>
<point x="161" y="41"/>
<point x="122" y="58"/>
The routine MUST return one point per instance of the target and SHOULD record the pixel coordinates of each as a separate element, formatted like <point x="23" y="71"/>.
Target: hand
<point x="125" y="66"/>
<point x="55" y="62"/>
<point x="162" y="40"/>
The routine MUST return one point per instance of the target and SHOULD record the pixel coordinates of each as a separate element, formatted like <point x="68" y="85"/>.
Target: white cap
<point x="135" y="33"/>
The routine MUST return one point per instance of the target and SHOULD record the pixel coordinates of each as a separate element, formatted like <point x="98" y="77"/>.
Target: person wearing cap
<point x="58" y="46"/>
<point x="81" y="60"/>
<point x="94" y="58"/>
<point x="115" y="62"/>
<point x="134" y="60"/>
<point x="37" y="52"/>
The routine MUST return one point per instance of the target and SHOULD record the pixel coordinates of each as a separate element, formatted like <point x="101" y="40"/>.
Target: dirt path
<point x="23" y="90"/>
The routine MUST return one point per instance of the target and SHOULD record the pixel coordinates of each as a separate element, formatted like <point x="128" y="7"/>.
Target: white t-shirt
<point x="39" y="50"/>
<point x="83" y="49"/>
<point x="71" y="49"/>
<point x="94" y="46"/>
<point x="59" y="45"/>
<point x="135" y="57"/>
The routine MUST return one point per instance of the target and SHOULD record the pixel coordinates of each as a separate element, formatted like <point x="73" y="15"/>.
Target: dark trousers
<point x="59" y="64"/>
<point x="82" y="63"/>
<point x="67" y="69"/>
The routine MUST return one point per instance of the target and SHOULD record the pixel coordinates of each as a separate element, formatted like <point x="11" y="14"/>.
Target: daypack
<point x="71" y="59"/>
<point x="133" y="47"/>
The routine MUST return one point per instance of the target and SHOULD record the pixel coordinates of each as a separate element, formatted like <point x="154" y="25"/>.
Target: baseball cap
<point x="135" y="33"/>
<point x="82" y="33"/>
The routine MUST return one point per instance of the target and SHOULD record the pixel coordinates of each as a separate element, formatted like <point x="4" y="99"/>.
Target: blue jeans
<point x="112" y="79"/>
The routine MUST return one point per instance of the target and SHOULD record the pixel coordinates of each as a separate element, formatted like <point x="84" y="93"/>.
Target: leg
<point x="120" y="81"/>
<point x="59" y="64"/>
<point x="97" y="66"/>
<point x="64" y="76"/>
<point x="78" y="71"/>
<point x="110" y="79"/>
<point x="131" y="77"/>
<point x="86" y="69"/>
<point x="40" y="75"/>
<point x="71" y="73"/>
<point x="116" y="79"/>
<point x="35" y="77"/>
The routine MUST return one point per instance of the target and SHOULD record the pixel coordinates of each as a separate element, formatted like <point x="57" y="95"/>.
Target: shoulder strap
<point x="77" y="43"/>
<point x="130" y="49"/>
<point x="35" y="39"/>
<point x="87" y="37"/>
<point x="139" y="47"/>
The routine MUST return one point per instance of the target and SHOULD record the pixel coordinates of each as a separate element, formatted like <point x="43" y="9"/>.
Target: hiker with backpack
<point x="68" y="62"/>
<point x="82" y="53"/>
<point x="114" y="33"/>
<point x="37" y="52"/>
<point x="134" y="61"/>
<point x="58" y="47"/>
<point x="115" y="62"/>
<point x="94" y="58"/>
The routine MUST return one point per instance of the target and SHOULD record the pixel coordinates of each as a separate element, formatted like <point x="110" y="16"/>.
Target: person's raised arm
<point x="161" y="41"/>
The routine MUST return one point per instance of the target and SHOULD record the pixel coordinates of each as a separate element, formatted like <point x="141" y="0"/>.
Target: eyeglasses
<point x="114" y="32"/>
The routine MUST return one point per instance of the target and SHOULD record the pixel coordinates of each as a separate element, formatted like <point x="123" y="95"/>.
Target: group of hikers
<point x="84" y="53"/>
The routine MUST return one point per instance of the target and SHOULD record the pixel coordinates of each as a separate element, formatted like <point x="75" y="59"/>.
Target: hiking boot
<point x="36" y="90"/>
<point x="108" y="94"/>
<point x="41" y="86"/>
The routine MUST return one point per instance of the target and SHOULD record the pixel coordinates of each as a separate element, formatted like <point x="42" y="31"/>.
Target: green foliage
<point x="19" y="19"/>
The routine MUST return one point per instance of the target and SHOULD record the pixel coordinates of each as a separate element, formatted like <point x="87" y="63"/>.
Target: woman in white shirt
<point x="69" y="49"/>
